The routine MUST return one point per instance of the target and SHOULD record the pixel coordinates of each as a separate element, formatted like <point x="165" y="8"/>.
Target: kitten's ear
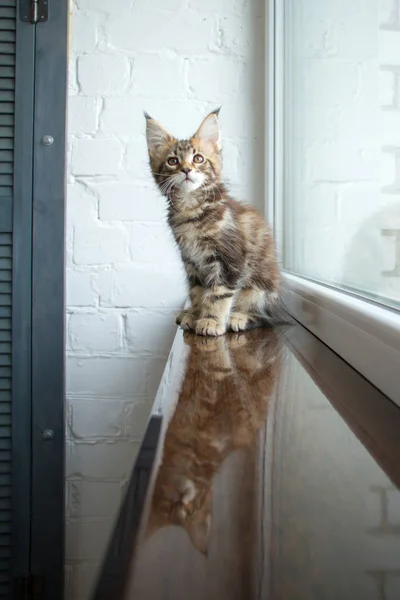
<point x="199" y="533"/>
<point x="209" y="131"/>
<point x="157" y="137"/>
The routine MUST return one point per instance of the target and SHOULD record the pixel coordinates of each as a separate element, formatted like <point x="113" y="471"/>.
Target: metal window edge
<point x="364" y="334"/>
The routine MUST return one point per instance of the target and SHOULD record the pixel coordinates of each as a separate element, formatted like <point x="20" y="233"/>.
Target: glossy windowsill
<point x="295" y="459"/>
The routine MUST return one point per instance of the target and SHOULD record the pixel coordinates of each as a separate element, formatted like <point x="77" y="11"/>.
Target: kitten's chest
<point x="195" y="244"/>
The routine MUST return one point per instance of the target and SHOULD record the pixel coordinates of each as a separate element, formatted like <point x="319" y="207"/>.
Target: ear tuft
<point x="199" y="533"/>
<point x="209" y="131"/>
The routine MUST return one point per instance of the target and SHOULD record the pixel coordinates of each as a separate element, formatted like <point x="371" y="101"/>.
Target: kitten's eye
<point x="172" y="161"/>
<point x="198" y="159"/>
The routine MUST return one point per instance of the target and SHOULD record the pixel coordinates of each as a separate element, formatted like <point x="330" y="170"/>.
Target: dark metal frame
<point x="48" y="314"/>
<point x="38" y="305"/>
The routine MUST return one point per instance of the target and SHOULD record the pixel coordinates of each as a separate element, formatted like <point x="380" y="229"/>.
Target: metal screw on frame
<point x="47" y="140"/>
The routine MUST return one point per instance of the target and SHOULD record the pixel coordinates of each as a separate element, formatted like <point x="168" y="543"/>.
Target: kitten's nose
<point x="186" y="171"/>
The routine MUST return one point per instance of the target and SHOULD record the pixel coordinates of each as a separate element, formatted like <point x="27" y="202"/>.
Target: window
<point x="334" y="133"/>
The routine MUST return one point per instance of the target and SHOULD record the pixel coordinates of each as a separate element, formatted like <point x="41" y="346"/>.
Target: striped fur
<point x="227" y="248"/>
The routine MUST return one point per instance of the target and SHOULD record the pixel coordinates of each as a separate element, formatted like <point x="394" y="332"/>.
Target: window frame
<point x="364" y="333"/>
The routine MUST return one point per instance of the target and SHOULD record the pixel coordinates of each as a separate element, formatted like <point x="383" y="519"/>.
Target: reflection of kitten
<point x="222" y="404"/>
<point x="227" y="249"/>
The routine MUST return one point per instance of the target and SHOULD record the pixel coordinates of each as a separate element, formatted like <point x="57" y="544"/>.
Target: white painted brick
<point x="104" y="285"/>
<point x="137" y="417"/>
<point x="125" y="116"/>
<point x="104" y="461"/>
<point x="122" y="117"/>
<point x="72" y="78"/>
<point x="84" y="31"/>
<point x="93" y="499"/>
<point x="393" y="500"/>
<point x="155" y="5"/>
<point x="82" y="115"/>
<point x="216" y="80"/>
<point x="189" y="34"/>
<point x="144" y="286"/>
<point x="230" y="156"/>
<point x="156" y="368"/>
<point x="120" y="201"/>
<point x="223" y="7"/>
<point x="91" y="419"/>
<point x="81" y="205"/>
<point x="159" y="75"/>
<point x="154" y="243"/>
<point x="107" y="376"/>
<point x="152" y="332"/>
<point x="100" y="244"/>
<point x="137" y="161"/>
<point x="96" y="157"/>
<point x="86" y="540"/>
<point x="105" y="6"/>
<point x="94" y="333"/>
<point x="234" y="123"/>
<point x="232" y="35"/>
<point x="103" y="74"/>
<point x="79" y="289"/>
<point x="69" y="246"/>
<point x="180" y="117"/>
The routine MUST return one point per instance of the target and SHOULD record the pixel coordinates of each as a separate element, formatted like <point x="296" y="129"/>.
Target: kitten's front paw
<point x="238" y="321"/>
<point x="186" y="319"/>
<point x="210" y="327"/>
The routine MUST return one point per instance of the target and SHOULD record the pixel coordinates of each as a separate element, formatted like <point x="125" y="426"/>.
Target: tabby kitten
<point x="226" y="247"/>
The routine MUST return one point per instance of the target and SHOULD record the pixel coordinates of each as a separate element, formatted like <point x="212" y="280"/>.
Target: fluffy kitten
<point x="227" y="248"/>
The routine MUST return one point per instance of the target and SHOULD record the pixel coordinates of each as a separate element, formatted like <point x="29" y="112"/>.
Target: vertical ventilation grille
<point x="5" y="412"/>
<point x="7" y="89"/>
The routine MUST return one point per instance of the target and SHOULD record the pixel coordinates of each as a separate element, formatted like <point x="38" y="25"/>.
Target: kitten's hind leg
<point x="247" y="307"/>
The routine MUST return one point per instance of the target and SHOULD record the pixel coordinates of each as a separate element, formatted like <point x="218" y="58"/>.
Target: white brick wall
<point x="177" y="59"/>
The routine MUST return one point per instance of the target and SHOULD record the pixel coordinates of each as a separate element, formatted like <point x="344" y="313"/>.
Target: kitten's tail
<point x="275" y="311"/>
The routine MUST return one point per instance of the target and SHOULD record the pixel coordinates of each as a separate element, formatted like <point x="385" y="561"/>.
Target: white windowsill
<point x="366" y="335"/>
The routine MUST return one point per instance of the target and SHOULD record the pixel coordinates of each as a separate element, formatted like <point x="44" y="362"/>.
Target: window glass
<point x="341" y="144"/>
